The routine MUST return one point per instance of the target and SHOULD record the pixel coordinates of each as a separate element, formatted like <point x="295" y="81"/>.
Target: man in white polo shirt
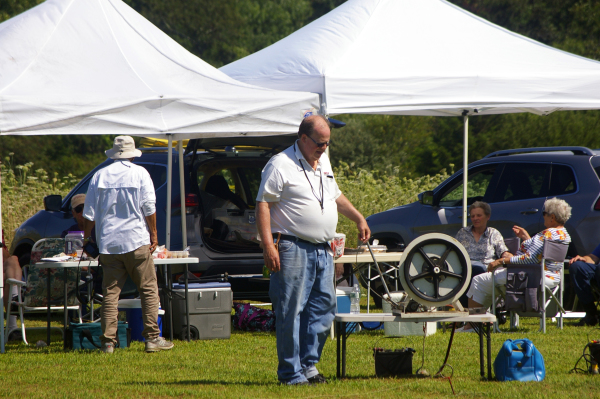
<point x="298" y="201"/>
<point x="121" y="201"/>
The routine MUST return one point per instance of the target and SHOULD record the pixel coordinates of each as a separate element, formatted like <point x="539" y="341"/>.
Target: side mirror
<point x="426" y="198"/>
<point x="53" y="203"/>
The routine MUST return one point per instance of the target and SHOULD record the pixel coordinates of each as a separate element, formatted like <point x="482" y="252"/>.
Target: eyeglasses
<point x="320" y="145"/>
<point x="78" y="209"/>
<point x="545" y="213"/>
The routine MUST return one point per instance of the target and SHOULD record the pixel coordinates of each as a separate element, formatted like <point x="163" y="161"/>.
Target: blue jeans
<point x="582" y="274"/>
<point x="477" y="268"/>
<point x="304" y="300"/>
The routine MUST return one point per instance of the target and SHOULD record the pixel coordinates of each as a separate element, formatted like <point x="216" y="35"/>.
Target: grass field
<point x="244" y="367"/>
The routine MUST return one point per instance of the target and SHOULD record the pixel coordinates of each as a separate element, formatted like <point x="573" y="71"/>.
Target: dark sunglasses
<point x="545" y="213"/>
<point x="320" y="145"/>
<point x="78" y="208"/>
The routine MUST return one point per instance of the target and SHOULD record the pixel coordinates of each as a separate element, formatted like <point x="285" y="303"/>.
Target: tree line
<point x="223" y="31"/>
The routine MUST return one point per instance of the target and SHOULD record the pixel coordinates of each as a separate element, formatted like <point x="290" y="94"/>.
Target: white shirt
<point x="115" y="199"/>
<point x="297" y="209"/>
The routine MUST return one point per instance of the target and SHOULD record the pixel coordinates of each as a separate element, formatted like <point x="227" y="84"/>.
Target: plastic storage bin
<point x="210" y="310"/>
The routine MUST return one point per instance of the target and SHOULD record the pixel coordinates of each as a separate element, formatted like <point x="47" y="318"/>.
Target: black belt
<point x="293" y="238"/>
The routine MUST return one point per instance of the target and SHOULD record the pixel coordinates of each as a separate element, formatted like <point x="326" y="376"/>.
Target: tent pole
<point x="465" y="165"/>
<point x="182" y="193"/>
<point x="169" y="189"/>
<point x="1" y="281"/>
<point x="184" y="229"/>
<point x="167" y="268"/>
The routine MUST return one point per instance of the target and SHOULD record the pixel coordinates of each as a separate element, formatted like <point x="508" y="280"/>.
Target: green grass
<point x="245" y="367"/>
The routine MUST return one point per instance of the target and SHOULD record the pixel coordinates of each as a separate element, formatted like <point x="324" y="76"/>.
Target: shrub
<point x="23" y="192"/>
<point x="373" y="192"/>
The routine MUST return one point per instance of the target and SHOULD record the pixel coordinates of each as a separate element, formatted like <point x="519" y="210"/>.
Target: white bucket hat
<point x="123" y="148"/>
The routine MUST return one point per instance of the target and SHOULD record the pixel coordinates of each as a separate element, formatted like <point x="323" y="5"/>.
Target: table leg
<point x="65" y="300"/>
<point x="489" y="352"/>
<point x="337" y="337"/>
<point x="187" y="308"/>
<point x="344" y="336"/>
<point x="48" y="308"/>
<point x="481" y="366"/>
<point x="170" y="299"/>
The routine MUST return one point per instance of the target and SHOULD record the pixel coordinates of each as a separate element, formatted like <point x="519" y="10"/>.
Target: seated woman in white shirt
<point x="483" y="244"/>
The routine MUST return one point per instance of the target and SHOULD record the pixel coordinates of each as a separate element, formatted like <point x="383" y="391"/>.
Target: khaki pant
<point x="139" y="265"/>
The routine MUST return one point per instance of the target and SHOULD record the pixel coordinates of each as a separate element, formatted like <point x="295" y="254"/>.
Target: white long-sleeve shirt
<point x="118" y="199"/>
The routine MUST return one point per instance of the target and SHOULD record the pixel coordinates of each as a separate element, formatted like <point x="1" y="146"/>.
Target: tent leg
<point x="166" y="269"/>
<point x="1" y="284"/>
<point x="465" y="165"/>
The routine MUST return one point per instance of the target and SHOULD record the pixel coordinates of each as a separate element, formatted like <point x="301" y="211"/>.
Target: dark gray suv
<point x="222" y="177"/>
<point x="515" y="183"/>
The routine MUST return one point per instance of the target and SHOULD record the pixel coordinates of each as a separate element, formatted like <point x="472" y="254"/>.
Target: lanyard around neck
<point x="322" y="199"/>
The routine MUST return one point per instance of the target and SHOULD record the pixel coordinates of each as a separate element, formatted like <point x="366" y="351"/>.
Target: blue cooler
<point x="133" y="315"/>
<point x="343" y="305"/>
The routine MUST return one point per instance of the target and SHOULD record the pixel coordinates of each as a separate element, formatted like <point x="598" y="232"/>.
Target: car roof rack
<point x="575" y="150"/>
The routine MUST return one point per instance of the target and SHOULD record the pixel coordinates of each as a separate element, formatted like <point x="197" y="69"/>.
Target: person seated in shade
<point x="11" y="269"/>
<point x="584" y="269"/>
<point x="483" y="244"/>
<point x="77" y="211"/>
<point x="556" y="213"/>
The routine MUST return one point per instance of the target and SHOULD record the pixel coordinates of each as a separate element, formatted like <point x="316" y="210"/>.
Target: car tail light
<point x="191" y="202"/>
<point x="597" y="205"/>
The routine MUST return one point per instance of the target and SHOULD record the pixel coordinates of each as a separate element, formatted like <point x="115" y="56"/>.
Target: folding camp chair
<point x="35" y="298"/>
<point x="527" y="282"/>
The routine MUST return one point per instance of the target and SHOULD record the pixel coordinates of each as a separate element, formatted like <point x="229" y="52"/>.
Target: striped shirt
<point x="530" y="251"/>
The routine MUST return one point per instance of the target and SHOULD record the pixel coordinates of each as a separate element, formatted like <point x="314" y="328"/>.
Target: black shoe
<point x="587" y="321"/>
<point x="317" y="379"/>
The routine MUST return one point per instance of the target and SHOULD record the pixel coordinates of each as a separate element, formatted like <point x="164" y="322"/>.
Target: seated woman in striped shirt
<point x="556" y="213"/>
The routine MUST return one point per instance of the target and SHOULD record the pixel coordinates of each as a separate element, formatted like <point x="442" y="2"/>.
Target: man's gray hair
<point x="487" y="209"/>
<point x="559" y="208"/>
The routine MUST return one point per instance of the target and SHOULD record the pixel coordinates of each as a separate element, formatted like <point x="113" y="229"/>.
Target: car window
<point x="479" y="187"/>
<point x="562" y="181"/>
<point x="250" y="178"/>
<point x="521" y="181"/>
<point x="230" y="179"/>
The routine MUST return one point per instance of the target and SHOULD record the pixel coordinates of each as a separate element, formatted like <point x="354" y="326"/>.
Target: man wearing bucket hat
<point x="122" y="204"/>
<point x="298" y="203"/>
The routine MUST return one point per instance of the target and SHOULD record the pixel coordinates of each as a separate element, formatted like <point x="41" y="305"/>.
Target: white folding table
<point x="94" y="263"/>
<point x="479" y="321"/>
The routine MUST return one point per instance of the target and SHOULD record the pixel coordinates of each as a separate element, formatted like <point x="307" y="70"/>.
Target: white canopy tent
<point x="98" y="67"/>
<point x="422" y="57"/>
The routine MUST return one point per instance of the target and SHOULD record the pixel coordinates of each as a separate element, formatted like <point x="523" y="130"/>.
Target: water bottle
<point x="355" y="300"/>
<point x="74" y="243"/>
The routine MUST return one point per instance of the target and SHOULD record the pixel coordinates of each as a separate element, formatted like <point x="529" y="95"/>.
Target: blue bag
<point x="519" y="360"/>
